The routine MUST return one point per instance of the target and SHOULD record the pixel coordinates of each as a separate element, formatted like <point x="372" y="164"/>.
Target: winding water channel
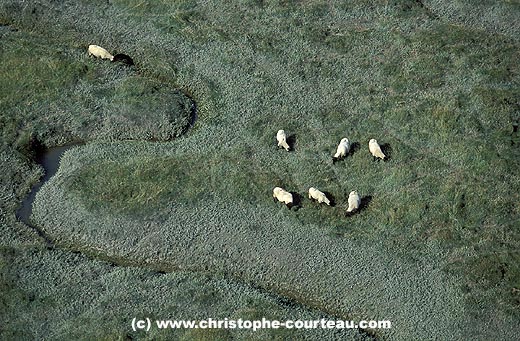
<point x="50" y="161"/>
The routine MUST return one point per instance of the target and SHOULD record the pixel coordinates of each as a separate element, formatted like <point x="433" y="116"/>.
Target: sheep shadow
<point x="124" y="59"/>
<point x="386" y="148"/>
<point x="297" y="201"/>
<point x="291" y="141"/>
<point x="365" y="202"/>
<point x="354" y="148"/>
<point x="331" y="198"/>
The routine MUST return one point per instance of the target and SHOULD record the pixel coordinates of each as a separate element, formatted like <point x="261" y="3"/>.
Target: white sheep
<point x="98" y="51"/>
<point x="282" y="139"/>
<point x="375" y="149"/>
<point x="318" y="195"/>
<point x="283" y="196"/>
<point x="353" y="202"/>
<point x="343" y="149"/>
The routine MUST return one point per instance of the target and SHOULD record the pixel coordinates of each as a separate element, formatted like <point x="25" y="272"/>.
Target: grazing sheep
<point x="343" y="149"/>
<point x="353" y="202"/>
<point x="123" y="58"/>
<point x="282" y="139"/>
<point x="318" y="195"/>
<point x="98" y="51"/>
<point x="375" y="149"/>
<point x="283" y="196"/>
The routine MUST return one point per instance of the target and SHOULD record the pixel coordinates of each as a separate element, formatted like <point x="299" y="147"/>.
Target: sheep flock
<point x="279" y="194"/>
<point x="342" y="151"/>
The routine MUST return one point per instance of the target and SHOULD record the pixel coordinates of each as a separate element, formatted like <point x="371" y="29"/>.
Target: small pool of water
<point x="50" y="161"/>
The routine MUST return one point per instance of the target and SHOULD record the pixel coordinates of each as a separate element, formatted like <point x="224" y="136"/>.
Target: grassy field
<point x="434" y="250"/>
<point x="92" y="300"/>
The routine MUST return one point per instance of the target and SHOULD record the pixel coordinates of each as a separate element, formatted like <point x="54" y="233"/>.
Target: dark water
<point x="50" y="161"/>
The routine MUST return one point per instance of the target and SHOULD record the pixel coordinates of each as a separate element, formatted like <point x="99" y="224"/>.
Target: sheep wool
<point x="343" y="149"/>
<point x="99" y="52"/>
<point x="318" y="195"/>
<point x="375" y="149"/>
<point x="283" y="196"/>
<point x="353" y="201"/>
<point x="282" y="139"/>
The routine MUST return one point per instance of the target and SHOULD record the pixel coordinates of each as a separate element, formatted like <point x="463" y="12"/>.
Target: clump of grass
<point x="132" y="186"/>
<point x="46" y="83"/>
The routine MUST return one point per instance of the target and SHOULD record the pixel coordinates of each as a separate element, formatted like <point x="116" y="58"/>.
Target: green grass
<point x="58" y="94"/>
<point x="145" y="185"/>
<point x="94" y="300"/>
<point x="436" y="248"/>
